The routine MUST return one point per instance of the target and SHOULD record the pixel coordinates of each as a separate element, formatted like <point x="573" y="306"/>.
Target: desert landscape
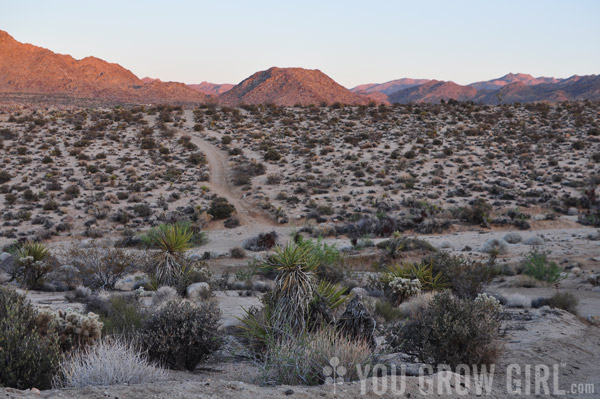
<point x="289" y="236"/>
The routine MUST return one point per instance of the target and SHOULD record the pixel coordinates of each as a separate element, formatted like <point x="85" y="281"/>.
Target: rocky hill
<point x="290" y="86"/>
<point x="25" y="68"/>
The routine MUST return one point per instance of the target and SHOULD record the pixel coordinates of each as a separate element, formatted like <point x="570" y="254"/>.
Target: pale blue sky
<point x="354" y="42"/>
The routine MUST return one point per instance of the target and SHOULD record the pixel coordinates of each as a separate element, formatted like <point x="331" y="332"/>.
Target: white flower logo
<point x="335" y="373"/>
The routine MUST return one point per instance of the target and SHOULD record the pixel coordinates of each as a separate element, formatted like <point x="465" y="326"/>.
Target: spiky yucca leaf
<point x="36" y="250"/>
<point x="332" y="294"/>
<point x="174" y="239"/>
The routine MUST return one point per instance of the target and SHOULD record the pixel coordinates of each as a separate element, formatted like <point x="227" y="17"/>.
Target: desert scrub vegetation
<point x="181" y="334"/>
<point x="295" y="333"/>
<point x="27" y="358"/>
<point x="100" y="265"/>
<point x="33" y="263"/>
<point x="74" y="330"/>
<point x="170" y="266"/>
<point x="452" y="331"/>
<point x="113" y="361"/>
<point x="304" y="359"/>
<point x="561" y="300"/>
<point x="536" y="264"/>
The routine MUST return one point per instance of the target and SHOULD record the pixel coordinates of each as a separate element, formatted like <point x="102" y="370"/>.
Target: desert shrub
<point x="308" y="359"/>
<point x="561" y="300"/>
<point x="452" y="331"/>
<point x="180" y="335"/>
<point x="466" y="277"/>
<point x="101" y="266"/>
<point x="220" y="208"/>
<point x="387" y="310"/>
<point x="27" y="359"/>
<point x="476" y="213"/>
<point x="272" y="155"/>
<point x="119" y="314"/>
<point x="4" y="176"/>
<point x="74" y="330"/>
<point x="262" y="242"/>
<point x="72" y="191"/>
<point x="113" y="361"/>
<point x="197" y="158"/>
<point x="405" y="280"/>
<point x="537" y="265"/>
<point x="330" y="261"/>
<point x="33" y="263"/>
<point x="237" y="253"/>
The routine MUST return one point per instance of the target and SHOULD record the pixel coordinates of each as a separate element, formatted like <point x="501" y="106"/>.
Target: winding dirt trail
<point x="220" y="184"/>
<point x="248" y="214"/>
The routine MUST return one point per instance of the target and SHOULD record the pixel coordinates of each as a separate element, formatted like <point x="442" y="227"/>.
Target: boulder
<point x="197" y="291"/>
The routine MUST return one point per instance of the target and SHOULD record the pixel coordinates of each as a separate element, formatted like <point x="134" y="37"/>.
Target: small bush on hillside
<point x="180" y="335"/>
<point x="27" y="359"/>
<point x="476" y="213"/>
<point x="452" y="331"/>
<point x="561" y="300"/>
<point x="537" y="265"/>
<point x="119" y="314"/>
<point x="466" y="277"/>
<point x="114" y="361"/>
<point x="220" y="208"/>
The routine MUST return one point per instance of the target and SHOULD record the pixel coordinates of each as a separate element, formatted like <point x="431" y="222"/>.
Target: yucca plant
<point x="295" y="285"/>
<point x="421" y="272"/>
<point x="170" y="262"/>
<point x="32" y="264"/>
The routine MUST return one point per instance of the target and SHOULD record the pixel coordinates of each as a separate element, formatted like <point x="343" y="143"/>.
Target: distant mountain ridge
<point x="212" y="88"/>
<point x="506" y="89"/>
<point x="25" y="68"/>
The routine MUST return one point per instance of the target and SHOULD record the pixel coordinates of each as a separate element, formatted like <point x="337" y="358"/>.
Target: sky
<point x="354" y="42"/>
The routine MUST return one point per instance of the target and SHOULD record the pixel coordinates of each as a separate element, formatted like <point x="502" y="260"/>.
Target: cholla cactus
<point x="489" y="301"/>
<point x="404" y="287"/>
<point x="75" y="330"/>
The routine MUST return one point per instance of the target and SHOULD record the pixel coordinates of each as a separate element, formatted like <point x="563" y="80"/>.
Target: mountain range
<point x="25" y="68"/>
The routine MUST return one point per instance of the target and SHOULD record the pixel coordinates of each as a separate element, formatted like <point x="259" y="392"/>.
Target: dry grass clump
<point x="305" y="359"/>
<point x="113" y="361"/>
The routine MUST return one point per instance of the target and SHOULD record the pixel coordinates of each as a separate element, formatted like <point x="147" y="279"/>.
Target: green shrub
<point x="466" y="278"/>
<point x="387" y="310"/>
<point x="4" y="176"/>
<point x="561" y="300"/>
<point x="220" y="208"/>
<point x="330" y="261"/>
<point x="119" y="314"/>
<point x="180" y="335"/>
<point x="452" y="331"/>
<point x="27" y="359"/>
<point x="537" y="265"/>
